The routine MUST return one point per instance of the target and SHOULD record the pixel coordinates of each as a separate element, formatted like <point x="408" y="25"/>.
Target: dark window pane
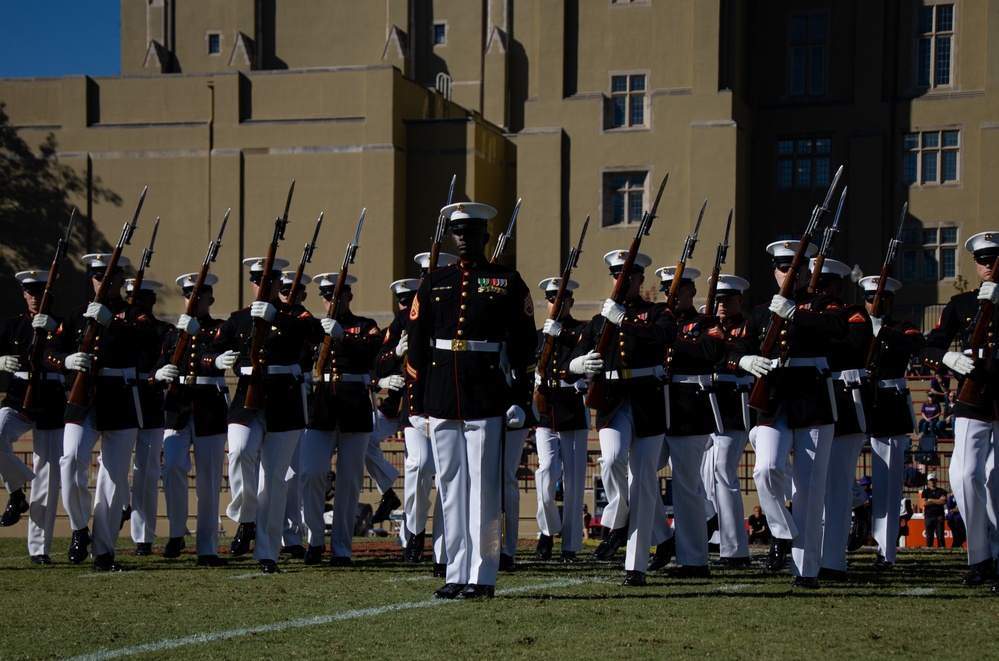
<point x="948" y="262"/>
<point x="634" y="207"/>
<point x="923" y="63"/>
<point x="948" y="235"/>
<point x="798" y="68"/>
<point x="618" y="181"/>
<point x="214" y="44"/>
<point x="951" y="138"/>
<point x="911" y="141"/>
<point x="785" y="147"/>
<point x="617" y="213"/>
<point x="637" y="180"/>
<point x="637" y="83"/>
<point x="798" y="29"/>
<point x="930" y="167"/>
<point x="822" y="172"/>
<point x="909" y="267"/>
<point x="817" y="72"/>
<point x="910" y="168"/>
<point x="929" y="264"/>
<point x="803" y="181"/>
<point x="931" y="139"/>
<point x="948" y="166"/>
<point x="619" y="83"/>
<point x="945" y="18"/>
<point x="439" y="34"/>
<point x="929" y="237"/>
<point x="804" y="147"/>
<point x="619" y="110"/>
<point x="942" y="76"/>
<point x="785" y="169"/>
<point x="637" y="110"/>
<point x="925" y="20"/>
<point x="817" y="28"/>
<point x="823" y="145"/>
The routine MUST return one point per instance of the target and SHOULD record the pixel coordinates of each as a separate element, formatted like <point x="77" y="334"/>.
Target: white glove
<point x="958" y="362"/>
<point x="783" y="307"/>
<point x="10" y="363"/>
<point x="989" y="293"/>
<point x="332" y="327"/>
<point x="613" y="312"/>
<point x="420" y="423"/>
<point x="877" y="322"/>
<point x="537" y="379"/>
<point x="393" y="382"/>
<point x="188" y="324"/>
<point x="44" y="322"/>
<point x="98" y="313"/>
<point x="79" y="361"/>
<point x="403" y="346"/>
<point x="515" y="417"/>
<point x="552" y="327"/>
<point x="167" y="373"/>
<point x="226" y="359"/>
<point x="263" y="310"/>
<point x="591" y="363"/>
<point x="758" y="366"/>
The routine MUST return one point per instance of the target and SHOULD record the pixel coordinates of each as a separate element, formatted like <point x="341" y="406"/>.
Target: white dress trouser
<point x="209" y="452"/>
<point x="258" y="464"/>
<point x="513" y="451"/>
<point x="112" y="479"/>
<point x="728" y="449"/>
<point x="380" y="470"/>
<point x="418" y="479"/>
<point x="294" y="524"/>
<point x="14" y="472"/>
<point x="689" y="500"/>
<point x="887" y="465"/>
<point x="561" y="454"/>
<point x="317" y="451"/>
<point x="469" y="473"/>
<point x="43" y="501"/>
<point x="975" y="484"/>
<point x="840" y="480"/>
<point x="811" y="446"/>
<point x="146" y="484"/>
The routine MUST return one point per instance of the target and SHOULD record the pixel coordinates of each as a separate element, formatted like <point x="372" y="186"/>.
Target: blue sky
<point x="59" y="38"/>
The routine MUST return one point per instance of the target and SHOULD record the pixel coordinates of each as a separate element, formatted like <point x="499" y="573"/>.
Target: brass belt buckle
<point x="625" y="373"/>
<point x="336" y="377"/>
<point x="459" y="345"/>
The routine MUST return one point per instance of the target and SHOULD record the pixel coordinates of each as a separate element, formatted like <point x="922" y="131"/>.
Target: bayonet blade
<point x="135" y="217"/>
<point x="901" y="222"/>
<point x="69" y="228"/>
<point x="152" y="241"/>
<point x="839" y="209"/>
<point x="728" y="226"/>
<point x="579" y="248"/>
<point x="311" y="247"/>
<point x="213" y="249"/>
<point x="832" y="187"/>
<point x="645" y="227"/>
<point x="450" y="191"/>
<point x="513" y="218"/>
<point x="360" y="222"/>
<point x="700" y="217"/>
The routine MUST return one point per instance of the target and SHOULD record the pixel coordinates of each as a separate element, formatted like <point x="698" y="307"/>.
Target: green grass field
<point x="382" y="608"/>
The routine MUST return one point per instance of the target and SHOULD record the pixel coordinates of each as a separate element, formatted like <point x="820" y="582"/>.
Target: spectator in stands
<point x="586" y="522"/>
<point x="904" y="515"/>
<point x="948" y="413"/>
<point x="940" y="386"/>
<point x="931" y="416"/>
<point x="912" y="477"/>
<point x="956" y="524"/>
<point x="759" y="531"/>
<point x="934" y="500"/>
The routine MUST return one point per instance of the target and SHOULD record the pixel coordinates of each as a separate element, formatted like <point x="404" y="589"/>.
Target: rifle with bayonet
<point x="828" y="236"/>
<point x="549" y="382"/>
<point x="442" y="229"/>
<point x="720" y="256"/>
<point x="172" y="400"/>
<point x="596" y="395"/>
<point x="759" y="398"/>
<point x="877" y="309"/>
<point x="320" y="403"/>
<point x="36" y="350"/>
<point x="501" y="242"/>
<point x="685" y="254"/>
<point x="296" y="283"/>
<point x="255" y="390"/>
<point x="975" y="382"/>
<point x="83" y="385"/>
<point x="147" y="257"/>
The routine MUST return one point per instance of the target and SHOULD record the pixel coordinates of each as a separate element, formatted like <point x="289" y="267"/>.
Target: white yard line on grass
<point x="917" y="592"/>
<point x="210" y="637"/>
<point x="734" y="587"/>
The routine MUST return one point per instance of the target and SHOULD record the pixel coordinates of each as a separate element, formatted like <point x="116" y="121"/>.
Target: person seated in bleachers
<point x="931" y="416"/>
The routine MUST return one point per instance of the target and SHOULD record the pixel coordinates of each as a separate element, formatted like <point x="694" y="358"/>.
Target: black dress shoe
<point x="778" y="554"/>
<point x="143" y="548"/>
<point x="806" y="582"/>
<point x="340" y="561"/>
<point x="211" y="561"/>
<point x="474" y="591"/>
<point x="126" y="515"/>
<point x="440" y="570"/>
<point x="506" y="562"/>
<point x="389" y="502"/>
<point x="980" y="573"/>
<point x="79" y="548"/>
<point x="105" y="562"/>
<point x="569" y="558"/>
<point x="296" y="551"/>
<point x="16" y="506"/>
<point x="314" y="554"/>
<point x="692" y="571"/>
<point x="449" y="591"/>
<point x="827" y="574"/>
<point x="245" y="533"/>
<point x="173" y="547"/>
<point x="663" y="555"/>
<point x="634" y="579"/>
<point x="881" y="564"/>
<point x="269" y="567"/>
<point x="734" y="563"/>
<point x="544" y="550"/>
<point x="41" y="559"/>
<point x="608" y="548"/>
<point x="415" y="547"/>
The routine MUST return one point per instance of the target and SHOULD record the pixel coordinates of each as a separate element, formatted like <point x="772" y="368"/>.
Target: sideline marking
<point x="406" y="580"/>
<point x="174" y="643"/>
<point x="735" y="587"/>
<point x="917" y="592"/>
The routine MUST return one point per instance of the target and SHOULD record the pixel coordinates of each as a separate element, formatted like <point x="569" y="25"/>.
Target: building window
<point x="934" y="45"/>
<point x="214" y="43"/>
<point x="804" y="163"/>
<point x="931" y="157"/>
<point x="930" y="253"/>
<point x="808" y="39"/>
<point x="627" y="101"/>
<point x="624" y="198"/>
<point x="440" y="34"/>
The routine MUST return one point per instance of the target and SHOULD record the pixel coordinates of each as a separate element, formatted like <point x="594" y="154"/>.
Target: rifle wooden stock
<point x="877" y="311"/>
<point x="255" y="389"/>
<point x="975" y="382"/>
<point x="172" y="400"/>
<point x="709" y="301"/>
<point x="543" y="393"/>
<point x="674" y="286"/>
<point x="813" y="282"/>
<point x="36" y="352"/>
<point x="320" y="402"/>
